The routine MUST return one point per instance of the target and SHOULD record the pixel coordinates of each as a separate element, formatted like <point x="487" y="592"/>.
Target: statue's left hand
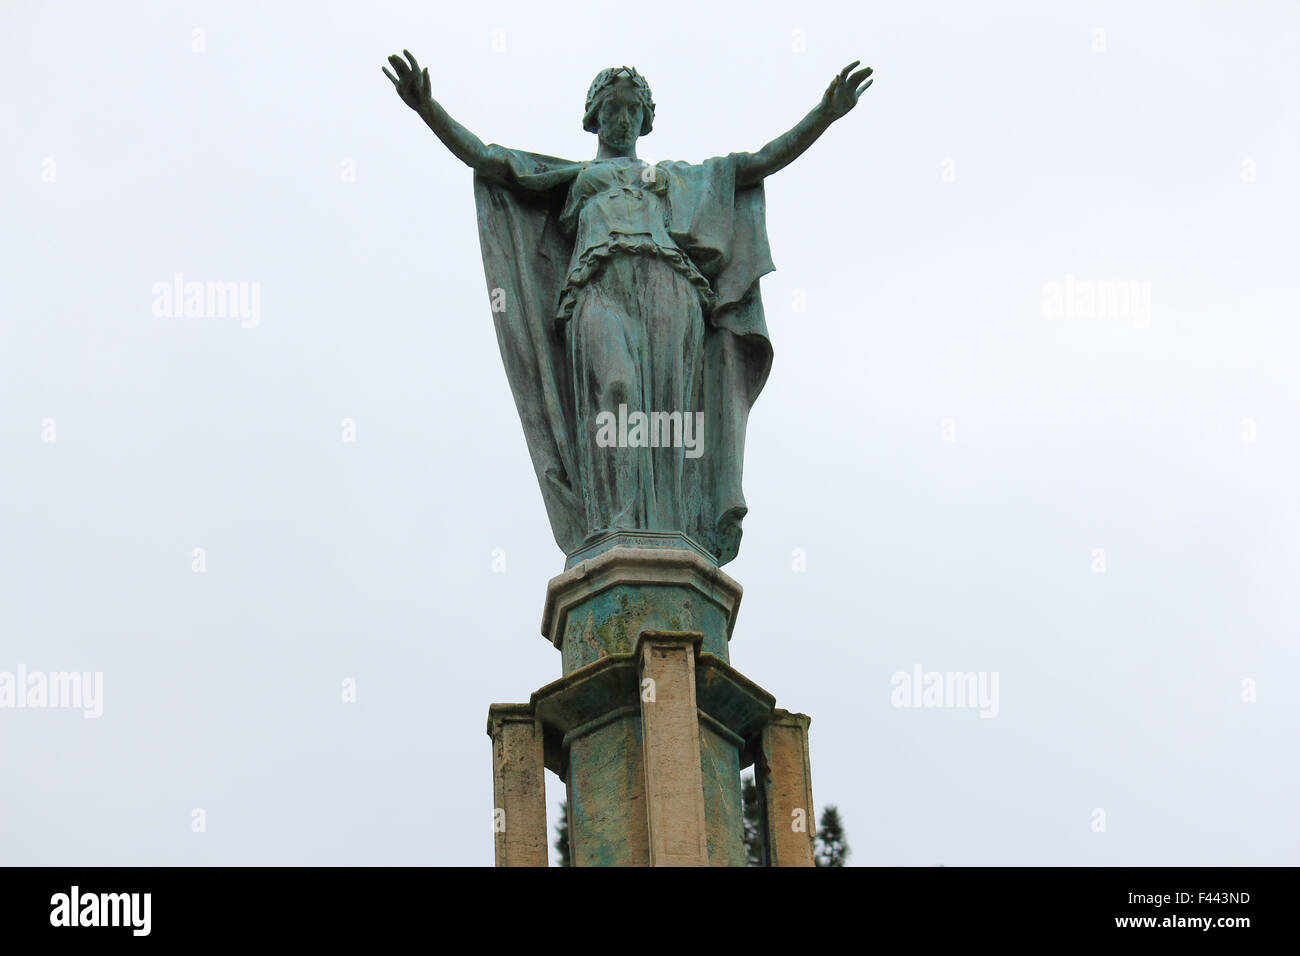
<point x="842" y="95"/>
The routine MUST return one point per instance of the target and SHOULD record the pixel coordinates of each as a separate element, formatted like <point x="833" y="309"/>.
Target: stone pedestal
<point x="599" y="607"/>
<point x="650" y="726"/>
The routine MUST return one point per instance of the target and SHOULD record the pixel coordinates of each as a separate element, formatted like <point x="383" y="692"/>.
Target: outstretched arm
<point x="841" y="96"/>
<point x="413" y="87"/>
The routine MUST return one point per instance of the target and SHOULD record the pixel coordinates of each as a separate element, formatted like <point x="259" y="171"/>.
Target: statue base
<point x="649" y="727"/>
<point x="597" y="608"/>
<point x="637" y="539"/>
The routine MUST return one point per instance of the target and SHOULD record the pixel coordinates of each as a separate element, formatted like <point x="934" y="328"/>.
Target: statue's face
<point x="620" y="116"/>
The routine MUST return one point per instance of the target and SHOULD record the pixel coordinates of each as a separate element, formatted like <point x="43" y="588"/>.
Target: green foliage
<point x="832" y="848"/>
<point x="562" y="834"/>
<point x="753" y="821"/>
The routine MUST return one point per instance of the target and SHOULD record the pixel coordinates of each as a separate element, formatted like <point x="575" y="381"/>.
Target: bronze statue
<point x="627" y="309"/>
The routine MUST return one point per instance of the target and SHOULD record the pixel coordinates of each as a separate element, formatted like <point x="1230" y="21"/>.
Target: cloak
<point x="519" y="196"/>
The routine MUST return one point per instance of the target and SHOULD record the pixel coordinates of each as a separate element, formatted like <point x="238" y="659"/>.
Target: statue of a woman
<point x="627" y="309"/>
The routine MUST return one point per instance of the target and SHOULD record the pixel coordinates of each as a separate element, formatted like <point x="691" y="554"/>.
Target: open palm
<point x="411" y="81"/>
<point x="842" y="95"/>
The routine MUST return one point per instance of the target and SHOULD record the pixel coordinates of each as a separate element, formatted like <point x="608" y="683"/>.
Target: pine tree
<point x="562" y="834"/>
<point x="753" y="822"/>
<point x="832" y="849"/>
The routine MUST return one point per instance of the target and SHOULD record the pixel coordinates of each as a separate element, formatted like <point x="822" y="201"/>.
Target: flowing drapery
<point x="519" y="197"/>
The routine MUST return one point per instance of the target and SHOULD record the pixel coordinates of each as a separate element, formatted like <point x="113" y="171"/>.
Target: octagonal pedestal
<point x="600" y="606"/>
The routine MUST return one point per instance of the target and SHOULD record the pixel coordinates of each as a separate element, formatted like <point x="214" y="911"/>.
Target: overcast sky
<point x="983" y="472"/>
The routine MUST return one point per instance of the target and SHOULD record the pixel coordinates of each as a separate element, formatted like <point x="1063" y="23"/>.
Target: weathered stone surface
<point x="670" y="728"/>
<point x="641" y="540"/>
<point x="518" y="786"/>
<point x="599" y="607"/>
<point x="608" y="825"/>
<point x="733" y="710"/>
<point x="784" y="779"/>
<point x="656" y="782"/>
<point x="730" y="698"/>
<point x="720" y="752"/>
<point x="595" y="739"/>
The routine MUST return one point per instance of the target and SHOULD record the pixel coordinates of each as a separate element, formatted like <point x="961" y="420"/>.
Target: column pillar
<point x="784" y="778"/>
<point x="650" y="725"/>
<point x="670" y="729"/>
<point x="518" y="786"/>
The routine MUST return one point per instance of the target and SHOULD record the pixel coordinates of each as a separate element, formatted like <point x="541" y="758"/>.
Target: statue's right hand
<point x="411" y="81"/>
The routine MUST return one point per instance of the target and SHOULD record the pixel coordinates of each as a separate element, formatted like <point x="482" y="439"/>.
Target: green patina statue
<point x="627" y="308"/>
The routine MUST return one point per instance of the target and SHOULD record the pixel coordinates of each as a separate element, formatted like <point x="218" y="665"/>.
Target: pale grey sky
<point x="1004" y="148"/>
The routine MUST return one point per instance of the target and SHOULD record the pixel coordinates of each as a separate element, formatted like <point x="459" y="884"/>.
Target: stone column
<point x="595" y="615"/>
<point x="650" y="725"/>
<point x="624" y="762"/>
<point x="670" y="736"/>
<point x="518" y="786"/>
<point x="784" y="778"/>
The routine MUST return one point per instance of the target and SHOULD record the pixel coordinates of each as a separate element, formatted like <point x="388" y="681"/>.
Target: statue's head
<point x="619" y="107"/>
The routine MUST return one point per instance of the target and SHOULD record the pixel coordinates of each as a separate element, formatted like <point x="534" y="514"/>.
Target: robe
<point x="519" y="197"/>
